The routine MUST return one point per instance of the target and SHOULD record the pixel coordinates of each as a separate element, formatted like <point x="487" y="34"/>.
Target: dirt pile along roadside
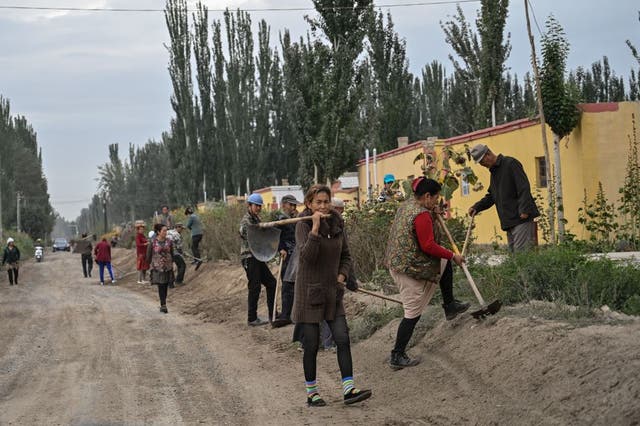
<point x="505" y="370"/>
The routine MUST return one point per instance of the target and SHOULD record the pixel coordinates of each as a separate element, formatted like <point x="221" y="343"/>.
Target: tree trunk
<point x="559" y="205"/>
<point x="543" y="125"/>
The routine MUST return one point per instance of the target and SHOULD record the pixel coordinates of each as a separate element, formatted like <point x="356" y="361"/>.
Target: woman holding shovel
<point x="323" y="269"/>
<point x="417" y="264"/>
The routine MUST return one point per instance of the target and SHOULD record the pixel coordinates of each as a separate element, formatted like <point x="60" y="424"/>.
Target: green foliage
<point x="630" y="191"/>
<point x="558" y="100"/>
<point x="599" y="218"/>
<point x="21" y="172"/>
<point x="564" y="275"/>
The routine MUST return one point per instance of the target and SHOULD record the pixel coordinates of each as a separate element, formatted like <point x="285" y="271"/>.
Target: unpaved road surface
<point x="74" y="352"/>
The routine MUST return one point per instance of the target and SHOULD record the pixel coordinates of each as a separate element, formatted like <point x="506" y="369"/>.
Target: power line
<point x="265" y="9"/>
<point x="534" y="18"/>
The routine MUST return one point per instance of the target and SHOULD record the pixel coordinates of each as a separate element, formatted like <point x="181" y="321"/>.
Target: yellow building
<point x="596" y="151"/>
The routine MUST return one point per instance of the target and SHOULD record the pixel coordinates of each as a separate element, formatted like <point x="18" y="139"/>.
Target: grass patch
<point x="563" y="276"/>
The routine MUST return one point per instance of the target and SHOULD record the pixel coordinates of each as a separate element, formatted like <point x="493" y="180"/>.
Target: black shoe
<point x="198" y="264"/>
<point x="454" y="308"/>
<point x="315" y="401"/>
<point x="164" y="309"/>
<point x="280" y="322"/>
<point x="356" y="395"/>
<point x="398" y="361"/>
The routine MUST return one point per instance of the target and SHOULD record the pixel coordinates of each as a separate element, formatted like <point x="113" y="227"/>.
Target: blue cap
<point x="255" y="199"/>
<point x="389" y="178"/>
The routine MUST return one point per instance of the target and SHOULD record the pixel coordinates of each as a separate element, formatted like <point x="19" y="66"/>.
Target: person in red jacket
<point x="418" y="264"/>
<point x="103" y="258"/>
<point x="141" y="251"/>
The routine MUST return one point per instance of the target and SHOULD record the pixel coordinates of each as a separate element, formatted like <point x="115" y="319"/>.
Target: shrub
<point x="372" y="319"/>
<point x="564" y="275"/>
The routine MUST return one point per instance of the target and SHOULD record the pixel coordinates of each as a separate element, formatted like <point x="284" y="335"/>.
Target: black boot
<point x="451" y="310"/>
<point x="400" y="360"/>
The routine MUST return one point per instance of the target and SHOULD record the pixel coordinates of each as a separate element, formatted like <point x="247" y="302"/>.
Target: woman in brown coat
<point x="323" y="269"/>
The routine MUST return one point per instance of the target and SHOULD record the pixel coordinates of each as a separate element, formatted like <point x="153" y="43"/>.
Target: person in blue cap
<point x="389" y="191"/>
<point x="258" y="272"/>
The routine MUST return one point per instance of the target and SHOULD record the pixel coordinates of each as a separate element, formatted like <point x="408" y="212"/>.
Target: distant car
<point x="61" y="244"/>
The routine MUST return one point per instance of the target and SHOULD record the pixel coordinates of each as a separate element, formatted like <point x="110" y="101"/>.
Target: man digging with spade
<point x="417" y="264"/>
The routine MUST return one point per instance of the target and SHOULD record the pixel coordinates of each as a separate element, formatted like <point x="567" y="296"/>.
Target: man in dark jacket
<point x="510" y="191"/>
<point x="84" y="247"/>
<point x="258" y="272"/>
<point x="289" y="206"/>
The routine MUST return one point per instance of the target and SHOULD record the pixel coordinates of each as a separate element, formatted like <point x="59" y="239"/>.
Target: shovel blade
<point x="263" y="242"/>
<point x="491" y="309"/>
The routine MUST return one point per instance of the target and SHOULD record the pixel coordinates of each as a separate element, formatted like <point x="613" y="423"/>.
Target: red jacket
<point x="103" y="252"/>
<point x="141" y="245"/>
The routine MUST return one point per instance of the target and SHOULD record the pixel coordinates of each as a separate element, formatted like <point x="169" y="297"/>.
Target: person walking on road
<point x="175" y="235"/>
<point x="258" y="272"/>
<point x="11" y="258"/>
<point x="160" y="257"/>
<point x="103" y="259"/>
<point x="323" y="268"/>
<point x="195" y="226"/>
<point x="141" y="251"/>
<point x="510" y="192"/>
<point x="85" y="248"/>
<point x="417" y="263"/>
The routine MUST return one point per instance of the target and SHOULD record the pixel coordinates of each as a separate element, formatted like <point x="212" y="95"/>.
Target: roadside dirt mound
<point x="504" y="370"/>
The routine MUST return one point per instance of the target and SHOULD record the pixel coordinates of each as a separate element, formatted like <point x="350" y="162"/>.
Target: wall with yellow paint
<point x="596" y="151"/>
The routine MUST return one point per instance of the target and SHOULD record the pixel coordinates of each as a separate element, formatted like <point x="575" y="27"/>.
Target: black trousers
<point x="13" y="276"/>
<point x="162" y="292"/>
<point x="182" y="267"/>
<point x="311" y="342"/>
<point x="87" y="265"/>
<point x="258" y="274"/>
<point x="287" y="294"/>
<point x="195" y="245"/>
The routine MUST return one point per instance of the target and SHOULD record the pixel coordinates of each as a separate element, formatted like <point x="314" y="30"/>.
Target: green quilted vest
<point x="403" y="250"/>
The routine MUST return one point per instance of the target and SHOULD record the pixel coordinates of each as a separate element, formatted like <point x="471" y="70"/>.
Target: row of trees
<point x="21" y="177"/>
<point x="249" y="115"/>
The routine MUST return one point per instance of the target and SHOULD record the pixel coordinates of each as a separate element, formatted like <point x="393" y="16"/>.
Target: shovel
<point x="485" y="309"/>
<point x="264" y="237"/>
<point x="275" y="298"/>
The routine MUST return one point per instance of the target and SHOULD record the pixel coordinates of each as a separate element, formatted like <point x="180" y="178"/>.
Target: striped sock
<point x="312" y="388"/>
<point x="347" y="384"/>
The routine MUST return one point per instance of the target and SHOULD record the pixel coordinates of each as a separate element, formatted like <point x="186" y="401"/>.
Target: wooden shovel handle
<point x="287" y="221"/>
<point x="464" y="266"/>
<point x="466" y="240"/>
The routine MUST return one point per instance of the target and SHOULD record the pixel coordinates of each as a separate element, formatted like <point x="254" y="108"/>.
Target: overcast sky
<point x="85" y="80"/>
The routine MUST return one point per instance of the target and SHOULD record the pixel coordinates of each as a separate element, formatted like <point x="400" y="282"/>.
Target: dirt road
<point x="74" y="352"/>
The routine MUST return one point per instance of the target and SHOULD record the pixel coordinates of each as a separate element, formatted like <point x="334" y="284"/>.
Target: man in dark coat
<point x="289" y="206"/>
<point x="510" y="191"/>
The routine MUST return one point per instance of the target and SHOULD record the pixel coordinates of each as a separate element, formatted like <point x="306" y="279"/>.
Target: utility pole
<point x="19" y="198"/>
<point x="543" y="125"/>
<point x="104" y="209"/>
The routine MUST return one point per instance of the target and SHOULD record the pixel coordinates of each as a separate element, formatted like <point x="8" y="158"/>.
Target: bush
<point x="372" y="319"/>
<point x="564" y="275"/>
<point x="221" y="239"/>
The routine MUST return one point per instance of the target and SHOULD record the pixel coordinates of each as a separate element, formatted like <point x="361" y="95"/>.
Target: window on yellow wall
<point x="541" y="172"/>
<point x="464" y="188"/>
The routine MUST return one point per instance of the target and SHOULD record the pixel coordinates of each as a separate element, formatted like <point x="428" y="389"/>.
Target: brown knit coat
<point x="322" y="258"/>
